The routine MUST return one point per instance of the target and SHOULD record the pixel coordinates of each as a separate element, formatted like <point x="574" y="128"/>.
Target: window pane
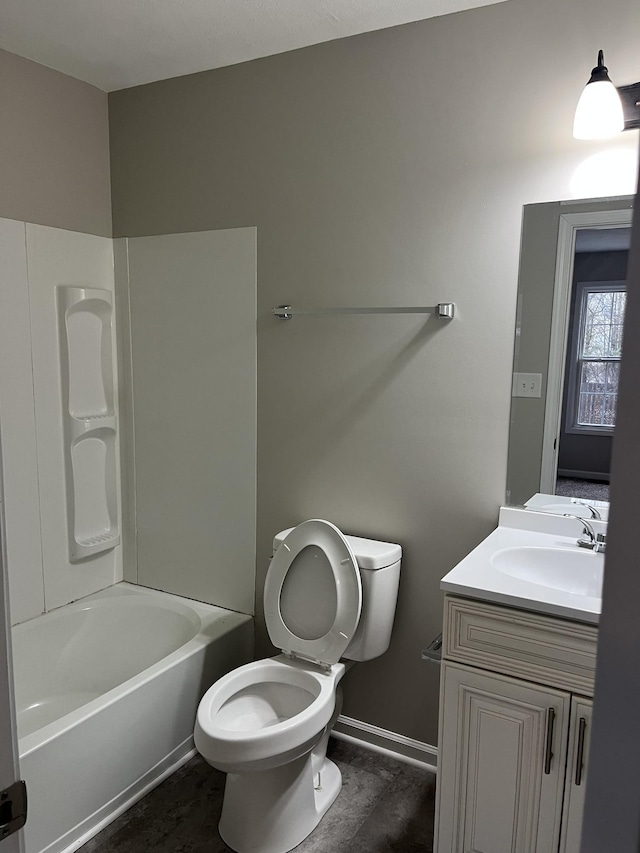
<point x="598" y="393"/>
<point x="603" y="319"/>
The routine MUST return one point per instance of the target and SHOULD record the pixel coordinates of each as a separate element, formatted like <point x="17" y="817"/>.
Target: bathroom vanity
<point x="518" y="667"/>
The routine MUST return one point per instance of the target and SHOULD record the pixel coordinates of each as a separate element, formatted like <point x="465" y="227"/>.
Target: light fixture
<point x="603" y="110"/>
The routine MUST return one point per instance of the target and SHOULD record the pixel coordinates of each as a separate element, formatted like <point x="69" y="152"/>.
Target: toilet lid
<point x="313" y="593"/>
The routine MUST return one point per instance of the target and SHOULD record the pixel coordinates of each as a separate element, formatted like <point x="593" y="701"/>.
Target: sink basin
<point x="574" y="571"/>
<point x="532" y="561"/>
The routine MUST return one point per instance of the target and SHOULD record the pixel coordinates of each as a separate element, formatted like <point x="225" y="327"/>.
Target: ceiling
<point x="114" y="44"/>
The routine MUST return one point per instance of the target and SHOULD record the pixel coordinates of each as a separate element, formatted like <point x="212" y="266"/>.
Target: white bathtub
<point x="106" y="692"/>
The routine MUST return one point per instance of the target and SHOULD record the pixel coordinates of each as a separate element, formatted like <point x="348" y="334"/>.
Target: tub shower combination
<point x="106" y="691"/>
<point x="107" y="686"/>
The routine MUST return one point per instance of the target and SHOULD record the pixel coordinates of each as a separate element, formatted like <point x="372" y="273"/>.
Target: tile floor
<point x="385" y="806"/>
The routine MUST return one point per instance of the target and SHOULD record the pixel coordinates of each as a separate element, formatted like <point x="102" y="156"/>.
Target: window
<point x="597" y="348"/>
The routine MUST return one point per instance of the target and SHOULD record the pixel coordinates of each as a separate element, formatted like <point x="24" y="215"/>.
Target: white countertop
<point x="476" y="577"/>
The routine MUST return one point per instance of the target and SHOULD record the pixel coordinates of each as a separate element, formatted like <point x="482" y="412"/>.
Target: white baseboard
<point x="386" y="743"/>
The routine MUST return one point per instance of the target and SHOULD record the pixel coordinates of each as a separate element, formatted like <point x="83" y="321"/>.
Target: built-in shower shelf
<point x="85" y="426"/>
<point x="90" y="418"/>
<point x="96" y="544"/>
<point x="85" y="317"/>
<point x="95" y="540"/>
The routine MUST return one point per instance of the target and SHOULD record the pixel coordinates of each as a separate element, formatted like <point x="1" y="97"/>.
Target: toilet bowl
<point x="265" y="713"/>
<point x="267" y="724"/>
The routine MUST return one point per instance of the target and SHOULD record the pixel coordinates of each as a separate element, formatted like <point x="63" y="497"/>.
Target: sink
<point x="532" y="561"/>
<point x="576" y="571"/>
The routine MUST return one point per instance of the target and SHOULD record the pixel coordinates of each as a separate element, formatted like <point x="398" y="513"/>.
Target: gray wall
<point x="390" y="168"/>
<point x="54" y="148"/>
<point x="534" y="315"/>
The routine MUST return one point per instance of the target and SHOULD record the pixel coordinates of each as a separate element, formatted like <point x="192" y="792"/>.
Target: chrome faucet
<point x="594" y="512"/>
<point x="590" y="539"/>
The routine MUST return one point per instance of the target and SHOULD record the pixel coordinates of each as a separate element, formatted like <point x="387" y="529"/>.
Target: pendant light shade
<point x="599" y="112"/>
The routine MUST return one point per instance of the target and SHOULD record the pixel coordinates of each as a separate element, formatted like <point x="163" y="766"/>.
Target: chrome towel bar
<point x="433" y="652"/>
<point x="443" y="310"/>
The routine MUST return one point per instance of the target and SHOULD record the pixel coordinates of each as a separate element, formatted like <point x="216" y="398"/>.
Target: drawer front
<point x="526" y="645"/>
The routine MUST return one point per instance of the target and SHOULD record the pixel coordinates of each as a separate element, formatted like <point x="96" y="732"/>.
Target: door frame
<point x="613" y="786"/>
<point x="569" y="225"/>
<point x="9" y="764"/>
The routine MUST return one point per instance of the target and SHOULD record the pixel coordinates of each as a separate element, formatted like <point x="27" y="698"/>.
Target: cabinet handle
<point x="582" y="728"/>
<point x="548" y="750"/>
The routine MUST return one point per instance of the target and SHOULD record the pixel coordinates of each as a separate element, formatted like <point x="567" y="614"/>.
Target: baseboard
<point x="387" y="743"/>
<point x="598" y="476"/>
<point x="80" y="834"/>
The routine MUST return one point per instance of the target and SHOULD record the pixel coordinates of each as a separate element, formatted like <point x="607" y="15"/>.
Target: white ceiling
<point x="114" y="44"/>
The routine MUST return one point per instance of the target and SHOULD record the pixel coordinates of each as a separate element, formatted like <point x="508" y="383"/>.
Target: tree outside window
<point x="598" y="349"/>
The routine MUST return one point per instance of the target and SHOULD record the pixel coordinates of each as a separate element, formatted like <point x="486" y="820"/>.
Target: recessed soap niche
<point x="85" y="318"/>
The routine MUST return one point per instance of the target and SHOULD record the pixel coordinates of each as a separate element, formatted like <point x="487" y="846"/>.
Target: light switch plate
<point x="527" y="385"/>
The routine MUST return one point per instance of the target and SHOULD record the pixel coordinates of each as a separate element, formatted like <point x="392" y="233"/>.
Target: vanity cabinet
<point x="515" y="714"/>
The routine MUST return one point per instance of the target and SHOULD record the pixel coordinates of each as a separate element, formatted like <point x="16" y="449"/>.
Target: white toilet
<point x="266" y="724"/>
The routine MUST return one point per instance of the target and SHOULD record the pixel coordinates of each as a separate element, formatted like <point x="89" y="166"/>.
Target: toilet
<point x="329" y="600"/>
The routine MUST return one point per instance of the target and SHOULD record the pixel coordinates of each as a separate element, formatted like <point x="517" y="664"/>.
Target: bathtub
<point x="106" y="694"/>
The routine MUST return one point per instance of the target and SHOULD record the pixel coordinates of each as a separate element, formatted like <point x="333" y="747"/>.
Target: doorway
<point x="591" y="370"/>
<point x="586" y="334"/>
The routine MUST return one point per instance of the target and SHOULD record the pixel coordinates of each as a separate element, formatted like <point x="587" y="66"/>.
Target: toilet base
<point x="272" y="811"/>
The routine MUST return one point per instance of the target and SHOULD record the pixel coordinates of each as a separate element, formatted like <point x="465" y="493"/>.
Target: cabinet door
<point x="501" y="764"/>
<point x="576" y="774"/>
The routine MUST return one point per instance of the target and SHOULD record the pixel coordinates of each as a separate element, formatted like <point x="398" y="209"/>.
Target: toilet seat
<point x="328" y="542"/>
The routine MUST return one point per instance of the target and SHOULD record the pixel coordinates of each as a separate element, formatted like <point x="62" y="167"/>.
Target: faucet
<point x="594" y="512"/>
<point x="596" y="542"/>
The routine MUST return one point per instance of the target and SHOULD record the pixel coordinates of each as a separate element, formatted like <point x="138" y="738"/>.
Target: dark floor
<point x="385" y="806"/>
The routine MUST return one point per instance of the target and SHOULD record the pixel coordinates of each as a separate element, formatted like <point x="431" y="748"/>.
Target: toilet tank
<point x="379" y="564"/>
